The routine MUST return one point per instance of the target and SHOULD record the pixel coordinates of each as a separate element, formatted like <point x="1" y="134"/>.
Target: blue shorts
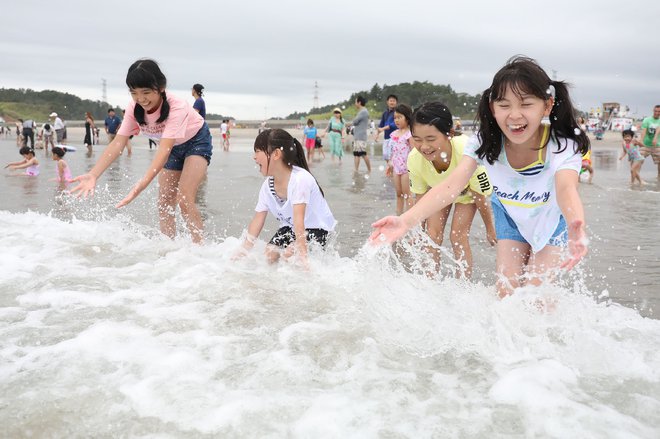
<point x="199" y="144"/>
<point x="506" y="228"/>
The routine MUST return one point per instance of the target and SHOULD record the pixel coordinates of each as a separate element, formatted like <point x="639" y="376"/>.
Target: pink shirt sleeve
<point x="129" y="126"/>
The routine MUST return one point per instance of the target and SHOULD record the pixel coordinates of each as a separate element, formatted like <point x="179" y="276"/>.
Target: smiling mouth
<point x="517" y="128"/>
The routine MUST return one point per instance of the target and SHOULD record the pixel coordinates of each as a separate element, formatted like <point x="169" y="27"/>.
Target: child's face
<point x="147" y="98"/>
<point x="430" y="142"/>
<point x="400" y="120"/>
<point x="519" y="117"/>
<point x="627" y="138"/>
<point x="28" y="156"/>
<point x="261" y="159"/>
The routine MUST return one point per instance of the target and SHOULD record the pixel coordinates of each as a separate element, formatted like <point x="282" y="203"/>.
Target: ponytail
<point x="563" y="121"/>
<point x="164" y="109"/>
<point x="489" y="133"/>
<point x="301" y="161"/>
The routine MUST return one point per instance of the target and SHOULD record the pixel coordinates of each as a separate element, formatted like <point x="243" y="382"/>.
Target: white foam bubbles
<point x="171" y="338"/>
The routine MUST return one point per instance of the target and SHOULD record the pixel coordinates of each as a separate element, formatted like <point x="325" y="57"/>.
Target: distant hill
<point x="24" y="103"/>
<point x="37" y="105"/>
<point x="414" y="94"/>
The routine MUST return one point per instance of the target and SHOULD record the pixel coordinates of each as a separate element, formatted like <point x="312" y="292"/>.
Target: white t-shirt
<point x="530" y="200"/>
<point x="223" y="128"/>
<point x="302" y="189"/>
<point x="58" y="125"/>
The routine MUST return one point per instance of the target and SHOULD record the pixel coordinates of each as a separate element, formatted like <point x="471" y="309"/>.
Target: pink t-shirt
<point x="181" y="125"/>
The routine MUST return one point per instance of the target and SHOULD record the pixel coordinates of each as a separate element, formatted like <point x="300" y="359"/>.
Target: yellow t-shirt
<point x="423" y="175"/>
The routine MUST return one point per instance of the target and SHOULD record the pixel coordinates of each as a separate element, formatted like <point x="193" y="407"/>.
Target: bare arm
<point x="157" y="164"/>
<point x="299" y="228"/>
<point x="25" y="164"/>
<point x="623" y="154"/>
<point x="568" y="199"/>
<point x="641" y="137"/>
<point x="15" y="163"/>
<point x="87" y="182"/>
<point x="486" y="212"/>
<point x="254" y="229"/>
<point x="391" y="228"/>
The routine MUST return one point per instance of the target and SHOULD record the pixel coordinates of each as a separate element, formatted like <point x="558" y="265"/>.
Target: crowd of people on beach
<point x="520" y="169"/>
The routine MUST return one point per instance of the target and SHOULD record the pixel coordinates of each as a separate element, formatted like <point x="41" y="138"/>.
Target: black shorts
<point x="285" y="236"/>
<point x="359" y="153"/>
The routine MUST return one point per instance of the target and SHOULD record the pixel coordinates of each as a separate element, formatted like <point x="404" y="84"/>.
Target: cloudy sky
<point x="261" y="58"/>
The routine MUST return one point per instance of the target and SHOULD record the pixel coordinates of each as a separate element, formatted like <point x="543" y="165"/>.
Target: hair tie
<point x="551" y="90"/>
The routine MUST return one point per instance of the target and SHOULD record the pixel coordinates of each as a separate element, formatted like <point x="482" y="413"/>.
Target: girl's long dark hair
<point x="294" y="154"/>
<point x="523" y="75"/>
<point x="145" y="73"/>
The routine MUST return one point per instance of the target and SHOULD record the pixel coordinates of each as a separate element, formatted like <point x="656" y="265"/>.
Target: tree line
<point x="414" y="94"/>
<point x="26" y="103"/>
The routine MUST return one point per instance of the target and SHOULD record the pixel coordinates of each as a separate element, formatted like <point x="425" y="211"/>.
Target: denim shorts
<point x="506" y="228"/>
<point x="199" y="144"/>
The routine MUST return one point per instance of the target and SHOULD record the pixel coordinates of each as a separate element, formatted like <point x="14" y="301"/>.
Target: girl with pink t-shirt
<point x="183" y="154"/>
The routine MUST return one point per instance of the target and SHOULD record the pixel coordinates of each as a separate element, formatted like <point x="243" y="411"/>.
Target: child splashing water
<point x="534" y="170"/>
<point x="291" y="194"/>
<point x="397" y="166"/>
<point x="29" y="162"/>
<point x="435" y="158"/>
<point x="183" y="154"/>
<point x="63" y="172"/>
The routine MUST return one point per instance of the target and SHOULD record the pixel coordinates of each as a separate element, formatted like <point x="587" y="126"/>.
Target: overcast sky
<point x="261" y="58"/>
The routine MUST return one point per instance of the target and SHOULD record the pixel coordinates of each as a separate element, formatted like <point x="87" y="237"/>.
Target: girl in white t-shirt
<point x="183" y="154"/>
<point x="291" y="194"/>
<point x="534" y="169"/>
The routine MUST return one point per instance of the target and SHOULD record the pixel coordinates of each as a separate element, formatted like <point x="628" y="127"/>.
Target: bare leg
<point x="194" y="172"/>
<point x="435" y="227"/>
<point x="512" y="256"/>
<point x="399" y="194"/>
<point x="405" y="190"/>
<point x="460" y="236"/>
<point x="368" y="163"/>
<point x="168" y="182"/>
<point x="541" y="265"/>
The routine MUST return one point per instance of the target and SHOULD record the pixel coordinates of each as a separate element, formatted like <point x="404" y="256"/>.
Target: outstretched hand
<point x="387" y="230"/>
<point x="577" y="244"/>
<point x="86" y="185"/>
<point x="139" y="187"/>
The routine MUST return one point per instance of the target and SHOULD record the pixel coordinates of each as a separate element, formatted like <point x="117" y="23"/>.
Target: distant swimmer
<point x="62" y="170"/>
<point x="29" y="162"/>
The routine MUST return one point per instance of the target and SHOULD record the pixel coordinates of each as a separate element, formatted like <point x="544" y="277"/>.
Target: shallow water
<point x="109" y="329"/>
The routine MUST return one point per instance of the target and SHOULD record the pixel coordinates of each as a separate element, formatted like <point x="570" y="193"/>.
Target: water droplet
<point x="381" y="168"/>
<point x="366" y="177"/>
<point x="577" y="131"/>
<point x="443" y="155"/>
<point x="382" y="237"/>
